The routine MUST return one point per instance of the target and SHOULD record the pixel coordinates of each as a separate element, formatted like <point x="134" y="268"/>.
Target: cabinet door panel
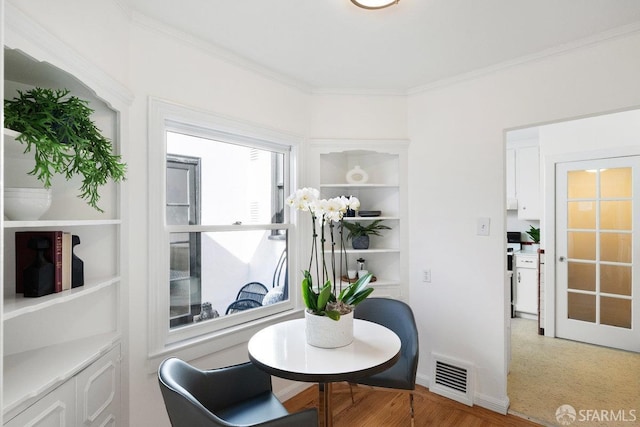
<point x="98" y="391"/>
<point x="528" y="183"/>
<point x="526" y="291"/>
<point x="57" y="409"/>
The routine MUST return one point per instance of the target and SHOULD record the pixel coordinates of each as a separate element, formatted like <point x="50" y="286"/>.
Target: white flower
<point x="353" y="203"/>
<point x="334" y="209"/>
<point x="303" y="198"/>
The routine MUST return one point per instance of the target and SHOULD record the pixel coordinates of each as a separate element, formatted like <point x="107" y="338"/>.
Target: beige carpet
<point x="601" y="384"/>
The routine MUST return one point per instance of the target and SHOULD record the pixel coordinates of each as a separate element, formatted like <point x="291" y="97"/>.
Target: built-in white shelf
<point x="370" y="218"/>
<point x="356" y="186"/>
<point x="61" y="223"/>
<point x="31" y="374"/>
<point x="366" y="251"/>
<point x="17" y="305"/>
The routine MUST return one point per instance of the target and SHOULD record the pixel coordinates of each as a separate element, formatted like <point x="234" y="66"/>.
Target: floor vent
<point x="452" y="378"/>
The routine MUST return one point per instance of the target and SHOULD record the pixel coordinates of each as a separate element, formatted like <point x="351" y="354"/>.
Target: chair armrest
<point x="254" y="382"/>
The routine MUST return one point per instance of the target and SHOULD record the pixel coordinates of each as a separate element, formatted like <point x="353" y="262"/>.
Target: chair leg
<point x="411" y="409"/>
<point x="351" y="391"/>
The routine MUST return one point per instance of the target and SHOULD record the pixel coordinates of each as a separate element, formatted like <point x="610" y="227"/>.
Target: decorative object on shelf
<point x="331" y="302"/>
<point x="359" y="234"/>
<point x="77" y="265"/>
<point x="374" y="4"/>
<point x="360" y="262"/>
<point x="65" y="139"/>
<point x="24" y="256"/>
<point x="357" y="176"/>
<point x="351" y="210"/>
<point x="26" y="204"/>
<point x="38" y="278"/>
<point x="369" y="213"/>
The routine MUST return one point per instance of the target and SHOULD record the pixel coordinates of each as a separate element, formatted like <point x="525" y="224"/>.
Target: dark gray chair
<point x="238" y="395"/>
<point x="397" y="316"/>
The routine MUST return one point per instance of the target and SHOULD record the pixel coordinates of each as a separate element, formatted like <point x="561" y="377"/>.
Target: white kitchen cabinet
<point x="526" y="285"/>
<point x="528" y="182"/>
<point x="512" y="197"/>
<point x="523" y="178"/>
<point x="385" y="190"/>
<point x="52" y="342"/>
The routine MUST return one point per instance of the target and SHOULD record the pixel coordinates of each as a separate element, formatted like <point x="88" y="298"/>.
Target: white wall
<point x="456" y="175"/>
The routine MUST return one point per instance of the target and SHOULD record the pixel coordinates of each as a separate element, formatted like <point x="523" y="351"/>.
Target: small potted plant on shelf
<point x="359" y="234"/>
<point x="329" y="306"/>
<point x="65" y="140"/>
<point x="534" y="235"/>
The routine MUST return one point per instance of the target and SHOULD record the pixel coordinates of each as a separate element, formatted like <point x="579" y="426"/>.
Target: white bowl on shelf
<point x="26" y="204"/>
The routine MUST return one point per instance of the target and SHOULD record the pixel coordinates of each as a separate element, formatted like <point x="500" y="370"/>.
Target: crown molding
<point x="217" y="51"/>
<point x="23" y="34"/>
<point x="616" y="33"/>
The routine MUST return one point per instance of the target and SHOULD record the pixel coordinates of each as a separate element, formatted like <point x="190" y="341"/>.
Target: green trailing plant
<point x="356" y="229"/>
<point x="534" y="234"/>
<point x="65" y="140"/>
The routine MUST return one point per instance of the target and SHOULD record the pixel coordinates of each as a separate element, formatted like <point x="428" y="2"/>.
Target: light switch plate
<point x="483" y="226"/>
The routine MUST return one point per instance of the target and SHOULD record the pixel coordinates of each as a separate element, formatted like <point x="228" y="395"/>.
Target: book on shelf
<point x="66" y="261"/>
<point x="26" y="255"/>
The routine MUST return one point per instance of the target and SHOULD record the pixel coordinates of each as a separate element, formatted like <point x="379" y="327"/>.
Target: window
<point x="220" y="245"/>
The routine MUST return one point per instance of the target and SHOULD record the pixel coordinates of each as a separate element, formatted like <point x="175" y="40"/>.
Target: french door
<point x="597" y="252"/>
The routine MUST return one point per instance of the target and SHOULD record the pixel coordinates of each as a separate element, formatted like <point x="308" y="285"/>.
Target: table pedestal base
<point x="325" y="412"/>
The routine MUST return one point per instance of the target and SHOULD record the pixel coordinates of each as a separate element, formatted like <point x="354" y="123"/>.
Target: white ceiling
<point x="333" y="45"/>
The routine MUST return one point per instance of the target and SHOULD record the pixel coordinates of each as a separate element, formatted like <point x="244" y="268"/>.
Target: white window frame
<point x="165" y="116"/>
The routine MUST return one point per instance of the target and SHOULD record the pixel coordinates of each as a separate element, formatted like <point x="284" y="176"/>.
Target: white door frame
<point x="548" y="221"/>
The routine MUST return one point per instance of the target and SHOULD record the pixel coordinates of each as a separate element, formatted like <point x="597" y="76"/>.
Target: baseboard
<point x="500" y="406"/>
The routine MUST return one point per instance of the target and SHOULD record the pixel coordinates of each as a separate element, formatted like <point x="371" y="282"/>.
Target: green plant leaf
<point x="360" y="296"/>
<point x="335" y="315"/>
<point x="325" y="294"/>
<point x="353" y="291"/>
<point x="308" y="295"/>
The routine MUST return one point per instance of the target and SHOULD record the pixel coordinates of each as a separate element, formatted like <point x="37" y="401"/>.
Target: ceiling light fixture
<point x="374" y="4"/>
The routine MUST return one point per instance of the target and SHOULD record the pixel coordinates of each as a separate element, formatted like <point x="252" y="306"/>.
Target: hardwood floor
<point x="390" y="409"/>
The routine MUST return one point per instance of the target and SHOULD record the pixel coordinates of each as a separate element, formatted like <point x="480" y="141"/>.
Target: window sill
<point x="219" y="340"/>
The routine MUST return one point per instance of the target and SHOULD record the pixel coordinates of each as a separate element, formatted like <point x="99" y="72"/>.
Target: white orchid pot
<point x="325" y="332"/>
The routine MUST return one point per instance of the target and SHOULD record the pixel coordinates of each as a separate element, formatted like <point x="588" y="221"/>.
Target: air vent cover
<point x="452" y="378"/>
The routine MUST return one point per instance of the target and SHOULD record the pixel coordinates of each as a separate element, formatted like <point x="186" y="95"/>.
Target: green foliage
<point x="356" y="229"/>
<point x="534" y="233"/>
<point x="65" y="139"/>
<point x="323" y="303"/>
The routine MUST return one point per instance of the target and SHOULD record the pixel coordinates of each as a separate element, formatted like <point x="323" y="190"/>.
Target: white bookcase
<point x="385" y="190"/>
<point x="62" y="352"/>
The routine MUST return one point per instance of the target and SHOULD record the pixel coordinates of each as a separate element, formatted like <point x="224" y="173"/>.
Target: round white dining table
<point x="282" y="350"/>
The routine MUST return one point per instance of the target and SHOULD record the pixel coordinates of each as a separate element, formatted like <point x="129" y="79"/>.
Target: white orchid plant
<point x="326" y="213"/>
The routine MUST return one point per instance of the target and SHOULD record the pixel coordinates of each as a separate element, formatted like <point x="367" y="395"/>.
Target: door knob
<point x="562" y="259"/>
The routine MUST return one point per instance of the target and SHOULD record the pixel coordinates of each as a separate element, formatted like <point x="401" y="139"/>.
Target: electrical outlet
<point x="426" y="276"/>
